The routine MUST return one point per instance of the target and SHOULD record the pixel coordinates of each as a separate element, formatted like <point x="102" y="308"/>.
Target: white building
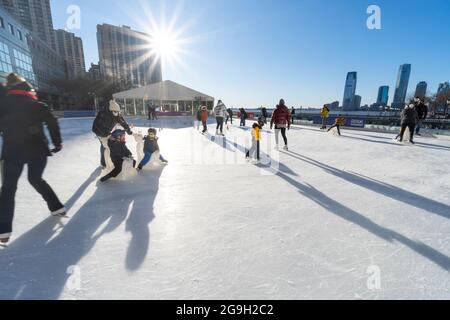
<point x="167" y="96"/>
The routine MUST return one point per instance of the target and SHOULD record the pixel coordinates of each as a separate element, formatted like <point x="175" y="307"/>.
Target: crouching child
<point x="119" y="153"/>
<point x="150" y="146"/>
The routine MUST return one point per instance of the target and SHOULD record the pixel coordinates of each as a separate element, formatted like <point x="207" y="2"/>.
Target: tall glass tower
<point x="401" y="87"/>
<point x="349" y="91"/>
<point x="383" y="96"/>
<point x="421" y="89"/>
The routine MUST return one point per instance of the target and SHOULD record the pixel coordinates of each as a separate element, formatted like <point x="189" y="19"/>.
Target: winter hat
<point x="204" y="108"/>
<point x="152" y="130"/>
<point x="16" y="82"/>
<point x="118" y="133"/>
<point x="114" y="107"/>
<point x="282" y="103"/>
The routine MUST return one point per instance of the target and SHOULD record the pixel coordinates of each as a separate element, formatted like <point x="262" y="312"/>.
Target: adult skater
<point x="25" y="143"/>
<point x="340" y="121"/>
<point x="230" y="115"/>
<point x="292" y="114"/>
<point x="422" y="112"/>
<point x="282" y="121"/>
<point x="104" y="123"/>
<point x="243" y="116"/>
<point x="199" y="118"/>
<point x="409" y="120"/>
<point x="220" y="112"/>
<point x="324" y="114"/>
<point x="204" y="117"/>
<point x="264" y="114"/>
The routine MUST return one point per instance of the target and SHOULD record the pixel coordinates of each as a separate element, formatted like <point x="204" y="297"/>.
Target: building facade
<point x="401" y="87"/>
<point x="124" y="56"/>
<point x="383" y="96"/>
<point x="349" y="91"/>
<point x="70" y="48"/>
<point x="357" y="102"/>
<point x="443" y="88"/>
<point x="94" y="72"/>
<point x="421" y="90"/>
<point x="15" y="53"/>
<point x="35" y="15"/>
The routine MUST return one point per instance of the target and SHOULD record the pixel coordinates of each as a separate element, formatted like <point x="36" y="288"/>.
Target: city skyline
<point x="248" y="81"/>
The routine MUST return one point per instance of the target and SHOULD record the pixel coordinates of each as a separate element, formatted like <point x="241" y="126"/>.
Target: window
<point x="11" y="28"/>
<point x="24" y="65"/>
<point x="2" y="23"/>
<point x="5" y="59"/>
<point x="19" y="33"/>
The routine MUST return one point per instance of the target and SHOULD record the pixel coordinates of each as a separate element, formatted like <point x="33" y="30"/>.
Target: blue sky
<point x="253" y="52"/>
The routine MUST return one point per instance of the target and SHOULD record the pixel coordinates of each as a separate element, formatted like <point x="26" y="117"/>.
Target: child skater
<point x="119" y="153"/>
<point x="340" y="121"/>
<point x="256" y="138"/>
<point x="150" y="146"/>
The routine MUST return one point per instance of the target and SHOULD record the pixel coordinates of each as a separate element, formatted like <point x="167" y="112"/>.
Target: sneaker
<point x="60" y="213"/>
<point x="4" y="239"/>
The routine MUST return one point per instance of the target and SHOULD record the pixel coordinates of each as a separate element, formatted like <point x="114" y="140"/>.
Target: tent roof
<point x="165" y="90"/>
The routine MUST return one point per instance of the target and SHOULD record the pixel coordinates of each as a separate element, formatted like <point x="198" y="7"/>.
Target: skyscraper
<point x="349" y="91"/>
<point x="125" y="56"/>
<point x="36" y="15"/>
<point x="383" y="96"/>
<point x="357" y="102"/>
<point x="401" y="87"/>
<point x="421" y="90"/>
<point x="70" y="48"/>
<point x="443" y="88"/>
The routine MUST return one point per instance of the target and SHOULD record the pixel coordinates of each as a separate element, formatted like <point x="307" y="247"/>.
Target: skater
<point x="229" y="116"/>
<point x="422" y="112"/>
<point x="325" y="113"/>
<point x="24" y="143"/>
<point x="204" y="118"/>
<point x="104" y="123"/>
<point x="199" y="118"/>
<point x="292" y="115"/>
<point x="264" y="114"/>
<point x="282" y="121"/>
<point x="410" y="118"/>
<point x="220" y="111"/>
<point x="243" y="117"/>
<point x="119" y="153"/>
<point x="151" y="146"/>
<point x="256" y="138"/>
<point x="340" y="121"/>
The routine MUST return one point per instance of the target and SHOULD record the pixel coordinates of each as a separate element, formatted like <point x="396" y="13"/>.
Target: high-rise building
<point x="383" y="96"/>
<point x="349" y="91"/>
<point x="124" y="56"/>
<point x="70" y="48"/>
<point x="94" y="72"/>
<point x="443" y="88"/>
<point x="35" y="15"/>
<point x="421" y="90"/>
<point x="401" y="87"/>
<point x="357" y="102"/>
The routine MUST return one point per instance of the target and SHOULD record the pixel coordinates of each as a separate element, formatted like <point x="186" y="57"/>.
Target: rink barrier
<point x="349" y="122"/>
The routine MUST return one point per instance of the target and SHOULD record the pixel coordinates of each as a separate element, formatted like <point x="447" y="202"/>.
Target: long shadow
<point x="358" y="219"/>
<point x="385" y="189"/>
<point x="27" y="273"/>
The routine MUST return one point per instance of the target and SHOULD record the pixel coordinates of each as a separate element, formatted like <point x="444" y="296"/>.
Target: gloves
<point x="129" y="132"/>
<point x="57" y="149"/>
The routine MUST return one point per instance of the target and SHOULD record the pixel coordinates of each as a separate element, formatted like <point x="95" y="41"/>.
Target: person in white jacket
<point x="220" y="112"/>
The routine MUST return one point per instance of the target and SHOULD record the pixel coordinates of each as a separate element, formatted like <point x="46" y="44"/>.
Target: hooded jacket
<point x="21" y="122"/>
<point x="106" y="121"/>
<point x="118" y="150"/>
<point x="281" y="116"/>
<point x="422" y="111"/>
<point x="409" y="116"/>
<point x="220" y="110"/>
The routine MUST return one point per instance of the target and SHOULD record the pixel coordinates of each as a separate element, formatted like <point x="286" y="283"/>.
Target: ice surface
<point x="318" y="222"/>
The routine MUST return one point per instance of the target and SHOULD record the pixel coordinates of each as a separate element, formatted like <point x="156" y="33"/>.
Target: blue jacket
<point x="150" y="146"/>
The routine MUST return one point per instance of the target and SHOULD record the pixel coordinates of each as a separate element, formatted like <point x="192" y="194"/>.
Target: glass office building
<point x="401" y="87"/>
<point x="383" y="96"/>
<point x="349" y="91"/>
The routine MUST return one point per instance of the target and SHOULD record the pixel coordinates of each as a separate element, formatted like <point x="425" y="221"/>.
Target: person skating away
<point x="292" y="115"/>
<point x="324" y="113"/>
<point x="104" y="123"/>
<point x="282" y="120"/>
<point x="230" y="115"/>
<point x="22" y="119"/>
<point x="150" y="147"/>
<point x="119" y="153"/>
<point x="243" y="117"/>
<point x="338" y="123"/>
<point x="422" y="112"/>
<point x="264" y="114"/>
<point x="409" y="119"/>
<point x="199" y="118"/>
<point x="220" y="112"/>
<point x="254" y="151"/>
<point x="204" y="117"/>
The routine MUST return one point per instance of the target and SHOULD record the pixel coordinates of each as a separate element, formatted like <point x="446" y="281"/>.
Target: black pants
<point x="219" y="124"/>
<point x="411" y="127"/>
<point x="102" y="155"/>
<point x="12" y="169"/>
<point x="242" y="124"/>
<point x="205" y="126"/>
<point x="229" y="118"/>
<point x="338" y="127"/>
<point x="116" y="171"/>
<point x="283" y="134"/>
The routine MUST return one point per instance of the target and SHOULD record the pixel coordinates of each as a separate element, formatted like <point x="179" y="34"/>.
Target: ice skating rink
<point x="351" y="217"/>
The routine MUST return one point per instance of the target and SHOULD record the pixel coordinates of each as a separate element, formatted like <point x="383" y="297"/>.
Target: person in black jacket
<point x="422" y="111"/>
<point x="409" y="120"/>
<point x="25" y="143"/>
<point x="119" y="152"/>
<point x="229" y="116"/>
<point x="104" y="123"/>
<point x="264" y="114"/>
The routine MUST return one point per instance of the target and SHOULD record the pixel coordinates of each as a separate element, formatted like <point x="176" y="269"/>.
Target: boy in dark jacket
<point x="150" y="146"/>
<point x="119" y="153"/>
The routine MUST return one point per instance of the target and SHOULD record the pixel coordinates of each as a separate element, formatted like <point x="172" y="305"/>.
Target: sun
<point x="165" y="44"/>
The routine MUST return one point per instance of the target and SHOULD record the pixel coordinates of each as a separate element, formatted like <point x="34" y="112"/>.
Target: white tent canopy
<point x="164" y="91"/>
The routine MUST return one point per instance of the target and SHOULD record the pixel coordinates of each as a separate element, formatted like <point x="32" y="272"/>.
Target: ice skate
<point x="61" y="213"/>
